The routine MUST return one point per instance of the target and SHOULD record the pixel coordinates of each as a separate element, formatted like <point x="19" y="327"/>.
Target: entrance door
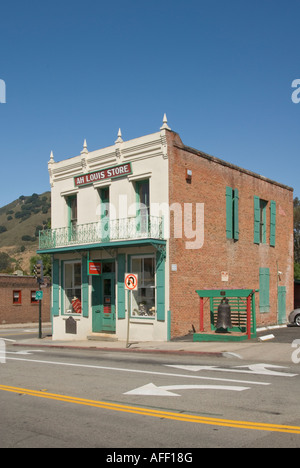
<point x="104" y="316"/>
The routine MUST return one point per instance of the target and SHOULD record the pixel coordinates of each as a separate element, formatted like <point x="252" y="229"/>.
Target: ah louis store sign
<point x="109" y="173"/>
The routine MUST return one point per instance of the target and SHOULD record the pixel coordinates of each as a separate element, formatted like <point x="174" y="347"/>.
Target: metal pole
<point x="40" y="319"/>
<point x="249" y="317"/>
<point x="128" y="319"/>
<point x="40" y="313"/>
<point x="201" y="315"/>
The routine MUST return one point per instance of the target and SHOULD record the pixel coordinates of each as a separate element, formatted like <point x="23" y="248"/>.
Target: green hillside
<point x="20" y="222"/>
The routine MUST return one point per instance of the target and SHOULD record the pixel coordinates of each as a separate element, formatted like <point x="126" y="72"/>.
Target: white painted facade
<point x="148" y="160"/>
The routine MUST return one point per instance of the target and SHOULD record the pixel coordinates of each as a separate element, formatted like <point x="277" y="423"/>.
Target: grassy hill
<point x="19" y="225"/>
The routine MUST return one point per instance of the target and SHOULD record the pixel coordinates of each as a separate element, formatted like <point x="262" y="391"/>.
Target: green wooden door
<point x="103" y="303"/>
<point x="281" y="304"/>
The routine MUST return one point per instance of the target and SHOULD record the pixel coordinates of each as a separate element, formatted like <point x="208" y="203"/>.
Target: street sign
<point x="131" y="282"/>
<point x="95" y="268"/>
<point x="39" y="295"/>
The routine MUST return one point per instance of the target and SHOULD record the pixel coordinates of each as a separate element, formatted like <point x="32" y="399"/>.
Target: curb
<point x="126" y="350"/>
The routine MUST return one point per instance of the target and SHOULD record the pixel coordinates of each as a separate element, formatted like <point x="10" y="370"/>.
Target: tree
<point x="5" y="262"/>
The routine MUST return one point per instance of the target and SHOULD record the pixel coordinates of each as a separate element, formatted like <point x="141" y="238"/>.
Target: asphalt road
<point x="79" y="398"/>
<point x="23" y="333"/>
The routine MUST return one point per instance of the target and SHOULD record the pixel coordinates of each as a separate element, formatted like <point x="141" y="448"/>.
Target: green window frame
<point x="260" y="221"/>
<point x="142" y="188"/>
<point x="232" y="213"/>
<point x="104" y="194"/>
<point x="72" y="211"/>
<point x="272" y="223"/>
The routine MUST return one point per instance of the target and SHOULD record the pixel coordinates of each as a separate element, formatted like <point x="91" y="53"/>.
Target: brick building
<point x="179" y="219"/>
<point x="17" y="300"/>
<point x="248" y="237"/>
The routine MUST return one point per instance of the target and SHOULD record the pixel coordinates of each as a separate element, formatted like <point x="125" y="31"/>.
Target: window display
<point x="72" y="280"/>
<point x="143" y="299"/>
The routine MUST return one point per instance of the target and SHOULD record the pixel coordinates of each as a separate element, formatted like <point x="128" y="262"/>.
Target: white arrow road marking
<point x="194" y="368"/>
<point x="259" y="369"/>
<point x="26" y="353"/>
<point x="263" y="370"/>
<point x="153" y="390"/>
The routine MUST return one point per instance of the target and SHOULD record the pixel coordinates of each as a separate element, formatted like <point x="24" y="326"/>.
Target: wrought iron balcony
<point x="102" y="232"/>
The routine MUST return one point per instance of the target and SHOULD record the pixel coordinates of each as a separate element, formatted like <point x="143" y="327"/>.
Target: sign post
<point x="131" y="284"/>
<point x="39" y="274"/>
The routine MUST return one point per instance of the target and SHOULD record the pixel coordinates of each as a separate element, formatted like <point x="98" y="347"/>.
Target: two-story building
<point x="180" y="220"/>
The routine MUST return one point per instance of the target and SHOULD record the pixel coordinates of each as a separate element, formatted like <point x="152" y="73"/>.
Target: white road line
<point x="135" y="371"/>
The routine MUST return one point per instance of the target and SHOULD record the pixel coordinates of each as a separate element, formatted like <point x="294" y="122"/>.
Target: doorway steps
<point x="102" y="337"/>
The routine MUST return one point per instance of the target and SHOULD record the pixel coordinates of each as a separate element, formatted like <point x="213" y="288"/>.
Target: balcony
<point x="102" y="232"/>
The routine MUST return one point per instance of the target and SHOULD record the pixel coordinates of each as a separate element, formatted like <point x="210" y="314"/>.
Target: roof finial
<point x="165" y="123"/>
<point x="85" y="150"/>
<point x="51" y="158"/>
<point x="119" y="139"/>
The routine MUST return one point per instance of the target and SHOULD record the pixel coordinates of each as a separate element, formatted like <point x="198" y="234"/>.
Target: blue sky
<point x="221" y="70"/>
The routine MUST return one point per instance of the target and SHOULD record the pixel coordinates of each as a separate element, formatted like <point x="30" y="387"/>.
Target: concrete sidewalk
<point x="254" y="350"/>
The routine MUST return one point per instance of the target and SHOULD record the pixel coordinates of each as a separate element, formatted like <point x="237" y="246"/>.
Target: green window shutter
<point x="85" y="288"/>
<point x="264" y="290"/>
<point x="121" y="287"/>
<point x="236" y="214"/>
<point x="272" y="223"/>
<point x="55" y="288"/>
<point x="160" y="286"/>
<point x="229" y="216"/>
<point x="256" y="220"/>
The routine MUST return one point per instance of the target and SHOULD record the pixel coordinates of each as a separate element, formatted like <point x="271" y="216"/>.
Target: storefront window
<point x="143" y="300"/>
<point x="72" y="276"/>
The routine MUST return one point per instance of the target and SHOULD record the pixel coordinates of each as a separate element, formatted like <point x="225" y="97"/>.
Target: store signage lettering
<point x="110" y="173"/>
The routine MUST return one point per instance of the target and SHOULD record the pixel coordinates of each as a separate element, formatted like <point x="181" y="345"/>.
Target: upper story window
<point x="232" y="213"/>
<point x="104" y="213"/>
<point x="72" y="211"/>
<point x="261" y="222"/>
<point x="143" y="205"/>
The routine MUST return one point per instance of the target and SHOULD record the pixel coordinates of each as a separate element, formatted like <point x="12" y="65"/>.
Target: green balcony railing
<point x="150" y="227"/>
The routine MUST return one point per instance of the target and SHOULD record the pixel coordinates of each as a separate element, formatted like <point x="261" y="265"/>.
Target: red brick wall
<point x="26" y="312"/>
<point x="201" y="268"/>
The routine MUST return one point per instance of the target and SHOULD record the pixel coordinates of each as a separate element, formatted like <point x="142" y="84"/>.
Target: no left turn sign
<point x="131" y="281"/>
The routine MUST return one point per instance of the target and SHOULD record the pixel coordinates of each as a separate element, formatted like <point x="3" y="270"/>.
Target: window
<point x="263" y="221"/>
<point x="17" y="297"/>
<point x="72" y="287"/>
<point x="104" y="213"/>
<point x="260" y="221"/>
<point x="272" y="223"/>
<point x="143" y="300"/>
<point x="32" y="298"/>
<point x="72" y="211"/>
<point x="108" y="267"/>
<point x="143" y="211"/>
<point x="232" y="213"/>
